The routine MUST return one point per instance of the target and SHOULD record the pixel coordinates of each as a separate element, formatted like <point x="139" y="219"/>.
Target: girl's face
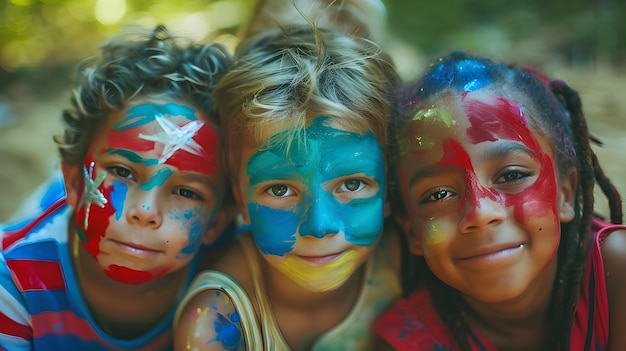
<point x="482" y="197"/>
<point x="316" y="208"/>
<point x="149" y="190"/>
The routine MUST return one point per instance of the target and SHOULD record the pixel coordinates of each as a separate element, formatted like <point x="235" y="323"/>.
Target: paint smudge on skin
<point x="157" y="180"/>
<point x="91" y="194"/>
<point x="118" y="196"/>
<point x="433" y="235"/>
<point x="227" y="330"/>
<point x="324" y="278"/>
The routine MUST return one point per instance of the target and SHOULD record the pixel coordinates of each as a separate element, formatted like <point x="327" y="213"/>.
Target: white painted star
<point x="175" y="138"/>
<point x="92" y="195"/>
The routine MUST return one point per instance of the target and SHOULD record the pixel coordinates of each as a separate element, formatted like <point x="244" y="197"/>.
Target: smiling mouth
<point x="494" y="255"/>
<point x="321" y="260"/>
<point x="135" y="249"/>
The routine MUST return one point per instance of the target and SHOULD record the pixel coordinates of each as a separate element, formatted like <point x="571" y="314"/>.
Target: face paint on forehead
<point x="504" y="119"/>
<point x="188" y="146"/>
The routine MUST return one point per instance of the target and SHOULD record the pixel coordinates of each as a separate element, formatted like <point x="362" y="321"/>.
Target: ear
<point x="412" y="237"/>
<point x="567" y="196"/>
<point x="222" y="219"/>
<point x="74" y="182"/>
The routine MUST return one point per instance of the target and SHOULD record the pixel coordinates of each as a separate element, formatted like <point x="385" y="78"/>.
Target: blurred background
<point x="41" y="41"/>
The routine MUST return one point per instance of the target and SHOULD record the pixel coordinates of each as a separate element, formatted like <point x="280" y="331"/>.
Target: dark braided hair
<point x="560" y="118"/>
<point x="143" y="62"/>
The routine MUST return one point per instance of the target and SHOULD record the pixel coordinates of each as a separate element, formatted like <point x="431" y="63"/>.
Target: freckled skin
<point x="486" y="183"/>
<point x="155" y="212"/>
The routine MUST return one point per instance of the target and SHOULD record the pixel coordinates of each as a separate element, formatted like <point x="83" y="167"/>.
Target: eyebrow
<point x="199" y="178"/>
<point x="496" y="151"/>
<point x="507" y="148"/>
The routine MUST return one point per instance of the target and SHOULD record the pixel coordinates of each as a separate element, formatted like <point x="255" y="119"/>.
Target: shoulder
<point x="208" y="320"/>
<point x="613" y="250"/>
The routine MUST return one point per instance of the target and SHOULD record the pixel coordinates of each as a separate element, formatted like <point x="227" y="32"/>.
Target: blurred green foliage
<point x="41" y="40"/>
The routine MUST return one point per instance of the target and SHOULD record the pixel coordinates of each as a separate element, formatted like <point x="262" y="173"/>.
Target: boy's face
<point x="316" y="208"/>
<point x="482" y="197"/>
<point x="151" y="188"/>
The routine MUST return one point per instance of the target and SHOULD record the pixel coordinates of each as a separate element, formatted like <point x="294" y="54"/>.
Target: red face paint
<point x="505" y="120"/>
<point x="132" y="216"/>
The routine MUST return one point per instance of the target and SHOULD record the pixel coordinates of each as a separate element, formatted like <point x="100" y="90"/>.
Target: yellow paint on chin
<point x="321" y="278"/>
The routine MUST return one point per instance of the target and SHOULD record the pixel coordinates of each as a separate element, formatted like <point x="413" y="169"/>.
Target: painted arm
<point x="614" y="257"/>
<point x="209" y="321"/>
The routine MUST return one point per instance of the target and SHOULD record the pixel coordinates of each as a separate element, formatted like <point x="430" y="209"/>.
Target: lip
<point x="493" y="253"/>
<point x="133" y="249"/>
<point x="322" y="259"/>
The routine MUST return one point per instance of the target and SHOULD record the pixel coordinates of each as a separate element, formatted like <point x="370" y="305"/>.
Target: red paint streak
<point x="504" y="120"/>
<point x="128" y="139"/>
<point x="99" y="217"/>
<point x="206" y="164"/>
<point x="130" y="276"/>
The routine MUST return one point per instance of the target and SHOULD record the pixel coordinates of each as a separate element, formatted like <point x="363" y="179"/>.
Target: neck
<point x="521" y="322"/>
<point x="124" y="310"/>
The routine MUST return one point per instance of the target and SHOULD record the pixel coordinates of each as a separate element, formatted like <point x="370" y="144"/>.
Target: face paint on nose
<point x="327" y="154"/>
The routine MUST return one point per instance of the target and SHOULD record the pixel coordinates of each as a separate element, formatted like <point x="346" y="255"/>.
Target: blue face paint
<point x="157" y="180"/>
<point x="133" y="157"/>
<point x="316" y="157"/>
<point x="118" y="196"/>
<point x="144" y="114"/>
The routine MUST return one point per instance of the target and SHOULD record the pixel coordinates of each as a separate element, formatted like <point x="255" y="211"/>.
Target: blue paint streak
<point x="143" y="114"/>
<point x="228" y="333"/>
<point x="458" y="71"/>
<point x="133" y="157"/>
<point x="118" y="195"/>
<point x="157" y="180"/>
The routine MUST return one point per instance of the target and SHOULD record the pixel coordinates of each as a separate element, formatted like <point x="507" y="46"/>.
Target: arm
<point x="209" y="321"/>
<point x="15" y="328"/>
<point x="614" y="257"/>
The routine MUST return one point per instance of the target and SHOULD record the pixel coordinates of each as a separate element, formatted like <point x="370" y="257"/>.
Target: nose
<point x="144" y="210"/>
<point x="319" y="222"/>
<point x="482" y="214"/>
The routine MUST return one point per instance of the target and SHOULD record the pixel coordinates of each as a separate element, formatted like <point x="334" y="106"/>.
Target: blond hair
<point x="283" y="79"/>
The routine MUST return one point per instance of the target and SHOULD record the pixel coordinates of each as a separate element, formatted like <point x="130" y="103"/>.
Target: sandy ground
<point x="28" y="156"/>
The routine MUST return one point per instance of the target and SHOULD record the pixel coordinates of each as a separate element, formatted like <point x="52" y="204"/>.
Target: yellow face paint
<point x="321" y="278"/>
<point x="433" y="235"/>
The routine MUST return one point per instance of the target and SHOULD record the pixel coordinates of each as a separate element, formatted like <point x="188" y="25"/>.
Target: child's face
<point x="152" y="187"/>
<point x="316" y="209"/>
<point x="482" y="197"/>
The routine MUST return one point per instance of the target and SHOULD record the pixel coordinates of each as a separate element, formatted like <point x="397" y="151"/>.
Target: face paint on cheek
<point x="324" y="278"/>
<point x="508" y="113"/>
<point x="130" y="276"/>
<point x="196" y="222"/>
<point x="274" y="230"/>
<point x="94" y="211"/>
